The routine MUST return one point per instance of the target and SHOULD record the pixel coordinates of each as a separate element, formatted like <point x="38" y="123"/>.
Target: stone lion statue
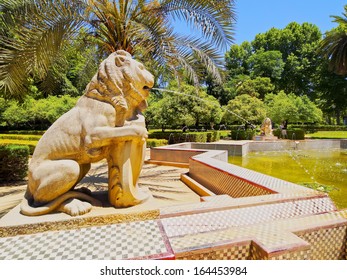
<point x="105" y="123"/>
<point x="266" y="127"/>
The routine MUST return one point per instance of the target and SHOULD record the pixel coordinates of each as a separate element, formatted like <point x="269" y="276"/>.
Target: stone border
<point x="209" y="160"/>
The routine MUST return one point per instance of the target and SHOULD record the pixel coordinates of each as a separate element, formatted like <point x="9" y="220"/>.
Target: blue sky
<point x="258" y="16"/>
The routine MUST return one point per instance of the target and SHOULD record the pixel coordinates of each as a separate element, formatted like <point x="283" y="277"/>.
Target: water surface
<point x="325" y="170"/>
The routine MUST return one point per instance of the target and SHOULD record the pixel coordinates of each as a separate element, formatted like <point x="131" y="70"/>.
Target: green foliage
<point x="236" y="59"/>
<point x="20" y="137"/>
<point x="266" y="64"/>
<point x="240" y="134"/>
<point x="35" y="114"/>
<point x="151" y="143"/>
<point x="182" y="106"/>
<point x="213" y="136"/>
<point x="244" y="108"/>
<point x="304" y="70"/>
<point x="287" y="56"/>
<point x="174" y="137"/>
<point x="292" y="134"/>
<point x="14" y="162"/>
<point x="35" y="38"/>
<point x="334" y="45"/>
<point x="24" y="132"/>
<point x="328" y="135"/>
<point x="257" y="87"/>
<point x="331" y="92"/>
<point x="292" y="108"/>
<point x="311" y="128"/>
<point x="200" y="137"/>
<point x="16" y="138"/>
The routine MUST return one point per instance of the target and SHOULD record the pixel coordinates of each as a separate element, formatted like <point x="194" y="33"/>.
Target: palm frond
<point x="334" y="47"/>
<point x="36" y="44"/>
<point x="41" y="28"/>
<point x="201" y="53"/>
<point x="12" y="12"/>
<point x="215" y="19"/>
<point x="342" y="21"/>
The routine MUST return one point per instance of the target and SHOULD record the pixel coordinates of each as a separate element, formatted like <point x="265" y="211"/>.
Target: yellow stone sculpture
<point x="106" y="123"/>
<point x="266" y="127"/>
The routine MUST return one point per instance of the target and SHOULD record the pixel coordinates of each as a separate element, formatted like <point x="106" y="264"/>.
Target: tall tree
<point x="334" y="45"/>
<point x="244" y="109"/>
<point x="42" y="28"/>
<point x="293" y="108"/>
<point x="184" y="105"/>
<point x="287" y="56"/>
<point x="297" y="43"/>
<point x="332" y="92"/>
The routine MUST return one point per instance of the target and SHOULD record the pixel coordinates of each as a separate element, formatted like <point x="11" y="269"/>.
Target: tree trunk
<point x="338" y="117"/>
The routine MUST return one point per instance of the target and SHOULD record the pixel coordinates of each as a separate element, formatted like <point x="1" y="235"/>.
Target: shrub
<point x="25" y="137"/>
<point x="311" y="128"/>
<point x="24" y="132"/>
<point x="14" y="162"/>
<point x="174" y="137"/>
<point x="292" y="134"/>
<point x="238" y="134"/>
<point x="213" y="136"/>
<point x="151" y="143"/>
<point x="35" y="114"/>
<point x="196" y="137"/>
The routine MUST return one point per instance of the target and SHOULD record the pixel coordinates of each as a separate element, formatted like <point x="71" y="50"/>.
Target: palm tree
<point x="34" y="32"/>
<point x="334" y="45"/>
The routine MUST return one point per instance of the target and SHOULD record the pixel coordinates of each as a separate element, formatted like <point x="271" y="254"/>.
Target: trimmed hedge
<point x="151" y="143"/>
<point x="32" y="132"/>
<point x="309" y="128"/>
<point x="243" y="134"/>
<point x="30" y="144"/>
<point x="174" y="137"/>
<point x="292" y="134"/>
<point x="27" y="137"/>
<point x="213" y="136"/>
<point x="14" y="162"/>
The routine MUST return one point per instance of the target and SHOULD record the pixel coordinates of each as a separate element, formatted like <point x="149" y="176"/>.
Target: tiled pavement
<point x="304" y="229"/>
<point x="219" y="228"/>
<point x="143" y="239"/>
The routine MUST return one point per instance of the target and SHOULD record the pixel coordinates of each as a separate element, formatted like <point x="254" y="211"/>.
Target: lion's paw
<point x="75" y="207"/>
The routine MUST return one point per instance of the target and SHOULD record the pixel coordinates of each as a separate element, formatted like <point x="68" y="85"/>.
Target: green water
<point x="325" y="170"/>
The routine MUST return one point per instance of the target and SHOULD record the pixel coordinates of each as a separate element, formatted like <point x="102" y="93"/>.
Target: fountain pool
<point x="322" y="169"/>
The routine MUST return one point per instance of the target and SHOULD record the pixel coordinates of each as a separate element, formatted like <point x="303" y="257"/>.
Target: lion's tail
<point x="28" y="210"/>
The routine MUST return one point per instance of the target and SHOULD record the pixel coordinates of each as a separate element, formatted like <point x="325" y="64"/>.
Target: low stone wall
<point x="210" y="168"/>
<point x="237" y="148"/>
<point x="223" y="182"/>
<point x="261" y="146"/>
<point x="301" y="223"/>
<point x="326" y="243"/>
<point x="180" y="153"/>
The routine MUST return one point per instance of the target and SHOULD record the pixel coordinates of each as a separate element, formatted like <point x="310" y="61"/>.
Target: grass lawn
<point x="327" y="135"/>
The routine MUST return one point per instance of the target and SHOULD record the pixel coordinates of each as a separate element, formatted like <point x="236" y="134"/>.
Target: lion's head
<point x="267" y="122"/>
<point x="122" y="82"/>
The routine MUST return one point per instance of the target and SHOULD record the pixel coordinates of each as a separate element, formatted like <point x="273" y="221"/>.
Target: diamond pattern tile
<point x="118" y="241"/>
<point x="211" y="221"/>
<point x="328" y="243"/>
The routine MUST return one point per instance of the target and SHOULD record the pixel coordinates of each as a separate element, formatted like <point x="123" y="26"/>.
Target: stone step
<point x="290" y="230"/>
<point x="316" y="237"/>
